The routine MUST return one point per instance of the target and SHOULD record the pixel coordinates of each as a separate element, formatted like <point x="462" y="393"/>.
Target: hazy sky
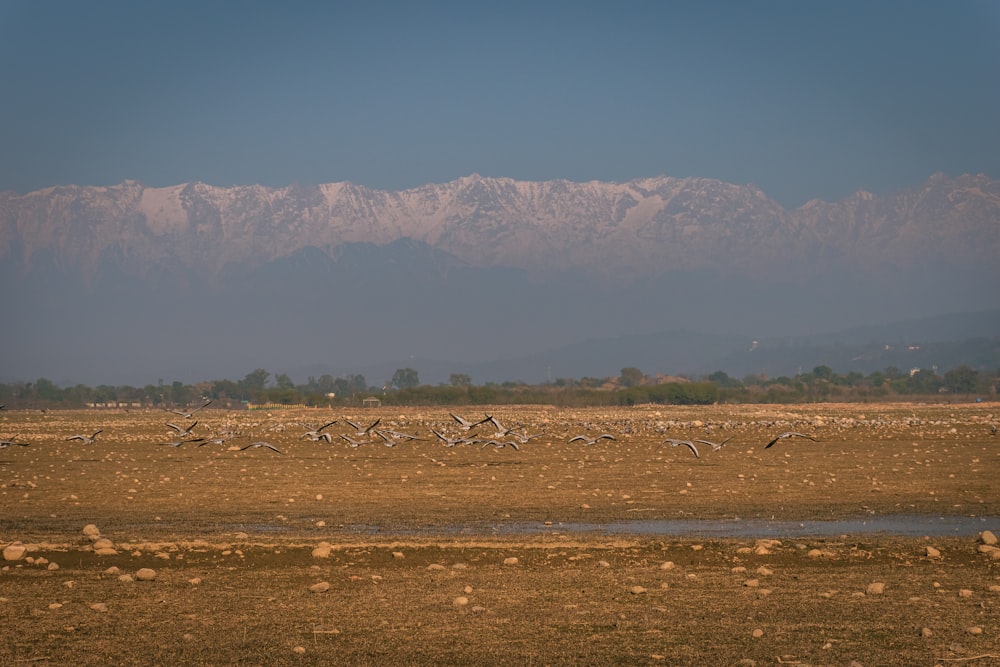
<point x="805" y="99"/>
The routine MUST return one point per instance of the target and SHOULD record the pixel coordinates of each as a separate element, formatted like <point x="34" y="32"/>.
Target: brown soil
<point x="246" y="523"/>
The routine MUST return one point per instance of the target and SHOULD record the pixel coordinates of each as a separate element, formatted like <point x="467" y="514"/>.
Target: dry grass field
<point x="494" y="556"/>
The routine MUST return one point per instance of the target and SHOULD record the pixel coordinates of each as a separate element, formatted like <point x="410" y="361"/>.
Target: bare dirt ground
<point x="414" y="542"/>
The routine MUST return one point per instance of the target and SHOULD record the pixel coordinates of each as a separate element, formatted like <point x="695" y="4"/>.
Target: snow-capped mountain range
<point x="128" y="282"/>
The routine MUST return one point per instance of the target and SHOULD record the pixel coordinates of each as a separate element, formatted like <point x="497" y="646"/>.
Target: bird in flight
<point x="716" y="446"/>
<point x="86" y="439"/>
<point x="182" y="431"/>
<point x="12" y="442"/>
<point x="365" y="430"/>
<point x="186" y="414"/>
<point x="258" y="445"/>
<point x="790" y="434"/>
<point x="587" y="440"/>
<point x="451" y="442"/>
<point x="683" y="443"/>
<point x="181" y="441"/>
<point x="317" y="434"/>
<point x="466" y="424"/>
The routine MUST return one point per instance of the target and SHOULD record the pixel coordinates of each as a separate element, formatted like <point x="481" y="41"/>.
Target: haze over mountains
<point x="127" y="284"/>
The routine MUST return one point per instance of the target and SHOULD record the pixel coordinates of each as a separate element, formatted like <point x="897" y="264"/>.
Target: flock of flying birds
<point x="504" y="436"/>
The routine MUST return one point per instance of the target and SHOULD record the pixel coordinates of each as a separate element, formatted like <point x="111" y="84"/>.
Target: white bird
<point x="523" y="437"/>
<point x="86" y="439"/>
<point x="217" y="440"/>
<point x="466" y="424"/>
<point x="500" y="445"/>
<point x="502" y="431"/>
<point x="587" y="440"/>
<point x="317" y="434"/>
<point x="181" y="441"/>
<point x="790" y="434"/>
<point x="451" y="442"/>
<point x="182" y="431"/>
<point x="12" y="442"/>
<point x="395" y="434"/>
<point x="351" y="441"/>
<point x="188" y="415"/>
<point x="366" y="430"/>
<point x="258" y="445"/>
<point x="685" y="443"/>
<point x="716" y="446"/>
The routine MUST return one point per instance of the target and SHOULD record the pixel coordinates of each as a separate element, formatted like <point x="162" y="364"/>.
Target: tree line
<point x="630" y="387"/>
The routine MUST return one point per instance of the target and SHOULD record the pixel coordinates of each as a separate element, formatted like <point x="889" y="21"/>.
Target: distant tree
<point x="823" y="372"/>
<point x="961" y="380"/>
<point x="459" y="380"/>
<point x="256" y="379"/>
<point x="283" y="381"/>
<point x="405" y="378"/>
<point x="631" y="376"/>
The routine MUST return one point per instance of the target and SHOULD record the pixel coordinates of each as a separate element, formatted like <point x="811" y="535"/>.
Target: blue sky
<point x="804" y="99"/>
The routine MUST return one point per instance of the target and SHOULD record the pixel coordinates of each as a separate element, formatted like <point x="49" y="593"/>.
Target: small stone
<point x="321" y="524"/>
<point x="751" y="583"/>
<point x="739" y="569"/>
<point x="467" y="590"/>
<point x="757" y="633"/>
<point x="460" y="601"/>
<point x="762" y="550"/>
<point x="987" y="537"/>
<point x="112" y="571"/>
<point x="926" y="632"/>
<point x="398" y="555"/>
<point x="965" y="593"/>
<point x="321" y="552"/>
<point x="974" y="630"/>
<point x="55" y="605"/>
<point x="994" y="588"/>
<point x="188" y="637"/>
<point x="99" y="607"/>
<point x="667" y="565"/>
<point x="603" y="563"/>
<point x="195" y="581"/>
<point x="91" y="531"/>
<point x="103" y="543"/>
<point x="14" y="551"/>
<point x="125" y="578"/>
<point x="931" y="552"/>
<point x="435" y="567"/>
<point x="52" y="566"/>
<point x="764" y="572"/>
<point x="321" y="587"/>
<point x="299" y="650"/>
<point x="511" y="560"/>
<point x="107" y="551"/>
<point x="145" y="574"/>
<point x="875" y="588"/>
<point x="637" y="590"/>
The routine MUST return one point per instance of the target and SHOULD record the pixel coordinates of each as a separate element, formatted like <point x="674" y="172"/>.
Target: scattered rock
<point x="53" y="566"/>
<point x="987" y="537"/>
<point x="195" y="581"/>
<point x="667" y="565"/>
<point x="931" y="552"/>
<point x="398" y="555"/>
<point x="112" y="571"/>
<point x="764" y="572"/>
<point x="974" y="630"/>
<point x="637" y="590"/>
<point x="435" y="567"/>
<point x="99" y="607"/>
<point x="103" y="543"/>
<point x="460" y="601"/>
<point x="145" y="574"/>
<point x="603" y="563"/>
<point x="757" y="633"/>
<point x="125" y="578"/>
<point x="106" y="551"/>
<point x="91" y="531"/>
<point x="751" y="583"/>
<point x="875" y="588"/>
<point x="926" y="632"/>
<point x="300" y="650"/>
<point x="321" y="552"/>
<point x="321" y="587"/>
<point x="511" y="560"/>
<point x="14" y="551"/>
<point x="965" y="593"/>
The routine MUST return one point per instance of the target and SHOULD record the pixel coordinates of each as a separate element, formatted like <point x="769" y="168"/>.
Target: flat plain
<point x="413" y="552"/>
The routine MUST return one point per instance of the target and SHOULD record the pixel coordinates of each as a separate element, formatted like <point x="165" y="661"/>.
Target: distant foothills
<point x="630" y="387"/>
